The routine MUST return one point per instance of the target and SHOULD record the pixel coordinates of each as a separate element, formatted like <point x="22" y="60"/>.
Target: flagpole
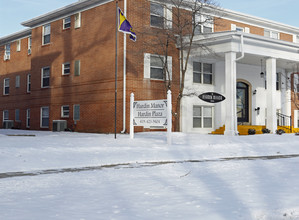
<point x="116" y="55"/>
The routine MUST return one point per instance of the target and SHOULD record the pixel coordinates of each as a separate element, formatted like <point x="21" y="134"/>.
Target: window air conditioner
<point x="59" y="125"/>
<point x="6" y="56"/>
<point x="8" y="124"/>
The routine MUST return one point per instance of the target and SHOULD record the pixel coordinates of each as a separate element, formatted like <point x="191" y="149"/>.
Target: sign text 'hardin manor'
<point x="150" y="113"/>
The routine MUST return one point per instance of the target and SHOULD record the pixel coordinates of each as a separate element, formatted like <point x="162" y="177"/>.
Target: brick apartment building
<point x="62" y="69"/>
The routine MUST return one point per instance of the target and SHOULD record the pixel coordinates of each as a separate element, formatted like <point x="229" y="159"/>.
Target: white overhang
<point x="15" y="36"/>
<point x="255" y="47"/>
<point x="64" y="12"/>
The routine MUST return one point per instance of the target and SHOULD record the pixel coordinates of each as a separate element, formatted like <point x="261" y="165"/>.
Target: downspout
<point x="242" y="48"/>
<point x="124" y="74"/>
<point x="235" y="80"/>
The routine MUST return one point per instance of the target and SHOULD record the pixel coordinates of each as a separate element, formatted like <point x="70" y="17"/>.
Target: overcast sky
<point x="14" y="12"/>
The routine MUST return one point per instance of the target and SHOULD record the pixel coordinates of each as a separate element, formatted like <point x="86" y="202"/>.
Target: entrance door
<point x="242" y="102"/>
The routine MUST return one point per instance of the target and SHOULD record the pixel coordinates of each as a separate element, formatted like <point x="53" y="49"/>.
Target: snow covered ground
<point x="78" y="176"/>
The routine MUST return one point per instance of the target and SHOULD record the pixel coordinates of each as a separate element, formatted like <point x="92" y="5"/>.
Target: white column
<point x="169" y="117"/>
<point x="231" y="128"/>
<point x="131" y="116"/>
<point x="271" y="94"/>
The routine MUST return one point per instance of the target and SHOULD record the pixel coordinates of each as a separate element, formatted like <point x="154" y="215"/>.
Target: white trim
<point x="63" y="68"/>
<point x="77" y="20"/>
<point x="28" y="118"/>
<point x="62" y="111"/>
<point x="41" y="116"/>
<point x="28" y="83"/>
<point x="5" y="86"/>
<point x="18" y="42"/>
<point x="42" y="77"/>
<point x="64" y="23"/>
<point x="43" y="34"/>
<point x="147" y="66"/>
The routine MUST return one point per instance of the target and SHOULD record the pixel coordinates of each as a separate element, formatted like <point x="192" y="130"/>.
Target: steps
<point x="243" y="129"/>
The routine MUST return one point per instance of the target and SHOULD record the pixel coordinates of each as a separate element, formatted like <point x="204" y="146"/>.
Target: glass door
<point x="242" y="102"/>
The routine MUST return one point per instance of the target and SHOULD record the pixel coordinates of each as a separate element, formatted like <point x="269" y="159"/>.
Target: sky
<point x="14" y="12"/>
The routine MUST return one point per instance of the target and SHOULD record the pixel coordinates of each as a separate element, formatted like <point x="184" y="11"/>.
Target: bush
<point x="266" y="131"/>
<point x="280" y="132"/>
<point x="251" y="131"/>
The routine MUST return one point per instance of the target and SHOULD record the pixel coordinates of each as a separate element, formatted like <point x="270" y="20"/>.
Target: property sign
<point x="151" y="113"/>
<point x="211" y="97"/>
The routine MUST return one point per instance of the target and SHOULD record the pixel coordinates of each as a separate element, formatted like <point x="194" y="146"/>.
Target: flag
<point x="125" y="26"/>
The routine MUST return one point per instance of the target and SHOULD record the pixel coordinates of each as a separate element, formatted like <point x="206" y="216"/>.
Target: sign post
<point x="151" y="114"/>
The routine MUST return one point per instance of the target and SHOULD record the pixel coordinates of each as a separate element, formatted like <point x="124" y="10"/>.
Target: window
<point x="156" y="67"/>
<point x="45" y="77"/>
<point x="28" y="118"/>
<point x="157" y="15"/>
<point x="66" y="68"/>
<point x="76" y="112"/>
<point x="6" y="86"/>
<point x="202" y="117"/>
<point x="5" y="115"/>
<point x="78" y="20"/>
<point x="17" y="81"/>
<point x="17" y="115"/>
<point x="203" y="24"/>
<point x="18" y="45"/>
<point x="278" y="81"/>
<point x="240" y="29"/>
<point x="153" y="67"/>
<point x="29" y="45"/>
<point x="7" y="52"/>
<point x="28" y="83"/>
<point x="77" y="67"/>
<point x="44" y="117"/>
<point x="67" y="23"/>
<point x="65" y="111"/>
<point x="271" y="34"/>
<point x="46" y="34"/>
<point x="202" y="73"/>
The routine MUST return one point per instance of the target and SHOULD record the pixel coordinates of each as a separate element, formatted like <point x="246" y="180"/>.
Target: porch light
<point x="262" y="74"/>
<point x="254" y="92"/>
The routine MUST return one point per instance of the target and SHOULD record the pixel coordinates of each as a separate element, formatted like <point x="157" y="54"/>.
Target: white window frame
<point x="202" y="72"/>
<point x="28" y="83"/>
<point x="66" y="68"/>
<point x="18" y="80"/>
<point x="67" y="23"/>
<point x="7" y="51"/>
<point x="29" y="45"/>
<point x="65" y="113"/>
<point x="5" y="115"/>
<point x="78" y="20"/>
<point x="153" y="14"/>
<point x="46" y="34"/>
<point x="202" y="117"/>
<point x="76" y="108"/>
<point x="44" y="117"/>
<point x="272" y="34"/>
<point x="6" y="86"/>
<point x="147" y="66"/>
<point x="28" y="118"/>
<point x="45" y="77"/>
<point x="202" y="22"/>
<point x="18" y="42"/>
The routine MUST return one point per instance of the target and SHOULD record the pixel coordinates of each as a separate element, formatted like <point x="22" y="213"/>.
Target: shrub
<point x="251" y="131"/>
<point x="266" y="131"/>
<point x="280" y="132"/>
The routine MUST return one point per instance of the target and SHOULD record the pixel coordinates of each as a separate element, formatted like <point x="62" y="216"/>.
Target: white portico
<point x="238" y="59"/>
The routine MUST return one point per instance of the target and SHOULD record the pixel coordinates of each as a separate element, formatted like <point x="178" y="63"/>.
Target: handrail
<point x="284" y="119"/>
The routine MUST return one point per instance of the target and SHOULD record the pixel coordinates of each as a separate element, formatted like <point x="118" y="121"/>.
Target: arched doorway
<point x="243" y="102"/>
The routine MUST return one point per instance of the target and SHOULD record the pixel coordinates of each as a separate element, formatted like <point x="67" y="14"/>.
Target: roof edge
<point x="15" y="36"/>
